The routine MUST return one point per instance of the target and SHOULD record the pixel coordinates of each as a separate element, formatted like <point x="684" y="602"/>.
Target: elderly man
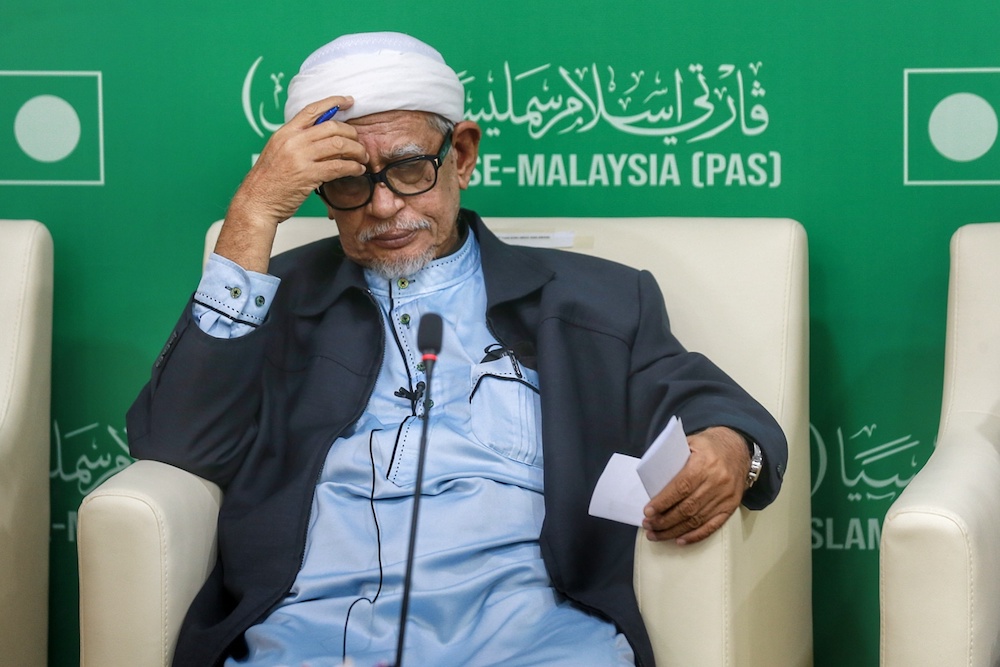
<point x="304" y="403"/>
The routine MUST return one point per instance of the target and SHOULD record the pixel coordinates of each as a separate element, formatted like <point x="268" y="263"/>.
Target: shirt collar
<point x="511" y="272"/>
<point x="440" y="274"/>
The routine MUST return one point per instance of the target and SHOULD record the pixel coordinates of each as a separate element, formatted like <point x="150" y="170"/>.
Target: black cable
<point x="378" y="541"/>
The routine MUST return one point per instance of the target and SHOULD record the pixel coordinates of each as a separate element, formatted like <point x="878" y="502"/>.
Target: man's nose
<point x="385" y="203"/>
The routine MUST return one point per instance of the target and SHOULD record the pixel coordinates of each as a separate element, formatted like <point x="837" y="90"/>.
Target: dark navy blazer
<point x="257" y="415"/>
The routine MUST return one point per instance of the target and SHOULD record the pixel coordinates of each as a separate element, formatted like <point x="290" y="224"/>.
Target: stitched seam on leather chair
<point x="20" y="290"/>
<point x="787" y="329"/>
<point x="726" y="600"/>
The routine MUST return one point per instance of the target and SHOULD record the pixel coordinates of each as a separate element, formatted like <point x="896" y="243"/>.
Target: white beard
<point x="400" y="266"/>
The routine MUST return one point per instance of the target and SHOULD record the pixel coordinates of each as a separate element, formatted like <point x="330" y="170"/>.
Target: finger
<point x="317" y="160"/>
<point x="702" y="468"/>
<point x="310" y="113"/>
<point x="331" y="170"/>
<point x="677" y="527"/>
<point x="688" y="514"/>
<point x="332" y="141"/>
<point x="700" y="465"/>
<point x="338" y="157"/>
<point x="703" y="495"/>
<point x="684" y="494"/>
<point x="338" y="147"/>
<point x="693" y="526"/>
<point x="710" y="496"/>
<point x="680" y="487"/>
<point x="332" y="128"/>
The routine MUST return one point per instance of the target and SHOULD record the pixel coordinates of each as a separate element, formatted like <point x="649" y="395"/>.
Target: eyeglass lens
<point x="407" y="177"/>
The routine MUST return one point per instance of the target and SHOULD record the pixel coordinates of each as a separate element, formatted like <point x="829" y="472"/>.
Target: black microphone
<point x="429" y="337"/>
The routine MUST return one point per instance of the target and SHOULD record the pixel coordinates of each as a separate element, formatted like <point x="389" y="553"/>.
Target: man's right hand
<point x="297" y="159"/>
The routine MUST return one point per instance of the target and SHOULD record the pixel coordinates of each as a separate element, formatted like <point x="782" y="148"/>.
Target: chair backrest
<point x="736" y="290"/>
<point x="25" y="385"/>
<point x="972" y="342"/>
<point x="939" y="591"/>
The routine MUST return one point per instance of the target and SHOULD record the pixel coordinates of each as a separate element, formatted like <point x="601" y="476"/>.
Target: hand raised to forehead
<point x="301" y="156"/>
<point x="297" y="158"/>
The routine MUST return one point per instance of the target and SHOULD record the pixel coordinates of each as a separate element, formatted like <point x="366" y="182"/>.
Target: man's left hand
<point x="706" y="491"/>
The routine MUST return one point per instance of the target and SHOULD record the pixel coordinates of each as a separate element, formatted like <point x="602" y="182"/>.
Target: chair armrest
<point x="147" y="542"/>
<point x="742" y="597"/>
<point x="679" y="588"/>
<point x="717" y="602"/>
<point x="939" y="590"/>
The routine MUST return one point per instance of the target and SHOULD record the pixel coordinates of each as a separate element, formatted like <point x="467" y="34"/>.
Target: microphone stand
<point x="429" y="357"/>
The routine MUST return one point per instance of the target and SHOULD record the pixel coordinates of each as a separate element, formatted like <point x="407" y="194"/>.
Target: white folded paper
<point x="627" y="483"/>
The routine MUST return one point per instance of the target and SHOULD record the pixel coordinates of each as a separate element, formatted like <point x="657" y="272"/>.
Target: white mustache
<point x="405" y="225"/>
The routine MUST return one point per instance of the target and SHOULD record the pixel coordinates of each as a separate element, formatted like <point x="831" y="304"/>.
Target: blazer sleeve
<point x="666" y="379"/>
<point x="199" y="410"/>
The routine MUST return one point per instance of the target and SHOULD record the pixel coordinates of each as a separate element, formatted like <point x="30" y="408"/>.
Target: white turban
<point x="382" y="71"/>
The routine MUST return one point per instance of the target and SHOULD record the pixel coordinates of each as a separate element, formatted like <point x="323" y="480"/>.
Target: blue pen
<point x="327" y="115"/>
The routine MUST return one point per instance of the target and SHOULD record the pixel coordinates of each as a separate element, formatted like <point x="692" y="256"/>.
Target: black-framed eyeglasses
<point x="407" y="177"/>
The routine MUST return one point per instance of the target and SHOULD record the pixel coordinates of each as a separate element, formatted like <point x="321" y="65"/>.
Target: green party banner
<point x="126" y="128"/>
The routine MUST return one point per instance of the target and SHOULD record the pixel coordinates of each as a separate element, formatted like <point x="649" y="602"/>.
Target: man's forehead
<point x="398" y="118"/>
<point x="396" y="132"/>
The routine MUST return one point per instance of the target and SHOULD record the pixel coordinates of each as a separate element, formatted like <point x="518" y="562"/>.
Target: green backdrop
<point x="870" y="125"/>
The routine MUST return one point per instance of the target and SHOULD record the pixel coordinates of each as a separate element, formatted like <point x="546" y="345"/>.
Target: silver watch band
<point x="756" y="465"/>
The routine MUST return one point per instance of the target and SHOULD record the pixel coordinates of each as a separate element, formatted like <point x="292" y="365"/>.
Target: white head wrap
<point x="382" y="71"/>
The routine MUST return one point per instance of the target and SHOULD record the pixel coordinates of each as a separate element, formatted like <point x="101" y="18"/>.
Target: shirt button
<point x="235" y="292"/>
<point x="259" y="301"/>
<point x="421" y="366"/>
<point x="403" y="283"/>
<point x="404" y="319"/>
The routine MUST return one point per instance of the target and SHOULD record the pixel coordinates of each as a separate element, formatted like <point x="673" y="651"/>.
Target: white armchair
<point x="25" y="387"/>
<point x="736" y="289"/>
<point x="940" y="553"/>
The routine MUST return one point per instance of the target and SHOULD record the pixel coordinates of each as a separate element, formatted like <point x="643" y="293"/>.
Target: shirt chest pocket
<point x="506" y="410"/>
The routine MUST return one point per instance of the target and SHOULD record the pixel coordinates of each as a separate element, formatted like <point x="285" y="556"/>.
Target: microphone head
<point x="430" y="333"/>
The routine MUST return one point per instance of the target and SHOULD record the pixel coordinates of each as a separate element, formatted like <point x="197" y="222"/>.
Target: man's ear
<point x="465" y="146"/>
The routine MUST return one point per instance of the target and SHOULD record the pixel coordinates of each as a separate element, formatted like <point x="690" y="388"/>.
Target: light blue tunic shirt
<point x="480" y="593"/>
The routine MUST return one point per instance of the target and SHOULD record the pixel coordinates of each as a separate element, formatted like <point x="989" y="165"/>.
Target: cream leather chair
<point x="25" y="389"/>
<point x="736" y="290"/>
<point x="940" y="553"/>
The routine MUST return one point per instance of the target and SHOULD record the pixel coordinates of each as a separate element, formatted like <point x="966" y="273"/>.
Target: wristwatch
<point x="756" y="464"/>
